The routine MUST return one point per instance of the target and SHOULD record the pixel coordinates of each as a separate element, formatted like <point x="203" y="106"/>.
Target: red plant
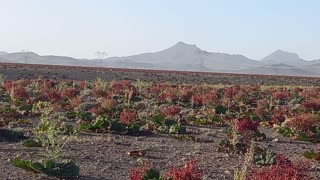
<point x="128" y="116"/>
<point x="281" y="95"/>
<point x="279" y="114"/>
<point x="245" y="124"/>
<point x="96" y="110"/>
<point x="98" y="92"/>
<point x="303" y="122"/>
<point x="282" y="170"/>
<point x="196" y="99"/>
<point x="19" y="93"/>
<point x="137" y="173"/>
<point x="312" y="104"/>
<point x="170" y="111"/>
<point x="70" y="92"/>
<point x="52" y="95"/>
<point x="190" y="171"/>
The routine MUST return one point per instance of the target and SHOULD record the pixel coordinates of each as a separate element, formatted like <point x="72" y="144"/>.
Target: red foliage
<point x="7" y="85"/>
<point x="196" y="99"/>
<point x="312" y="104"/>
<point x="19" y="93"/>
<point x="281" y="95"/>
<point x="98" y="92"/>
<point x="170" y="111"/>
<point x="81" y="84"/>
<point x="279" y="114"/>
<point x="128" y="116"/>
<point x="245" y="124"/>
<point x="311" y="93"/>
<point x="282" y="170"/>
<point x="117" y="88"/>
<point x="190" y="171"/>
<point x="96" y="110"/>
<point x="70" y="92"/>
<point x="303" y="122"/>
<point x="137" y="173"/>
<point x="52" y="96"/>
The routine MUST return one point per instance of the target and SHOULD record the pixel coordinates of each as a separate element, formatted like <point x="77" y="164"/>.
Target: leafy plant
<point x="312" y="155"/>
<point x="11" y="135"/>
<point x="65" y="169"/>
<point x="282" y="169"/>
<point x="189" y="171"/>
<point x="35" y="142"/>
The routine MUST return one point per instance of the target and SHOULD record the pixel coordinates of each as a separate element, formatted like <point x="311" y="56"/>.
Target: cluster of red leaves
<point x="281" y="95"/>
<point x="52" y="95"/>
<point x="119" y="88"/>
<point x="311" y="93"/>
<point x="184" y="94"/>
<point x="190" y="171"/>
<point x="170" y="111"/>
<point x="137" y="173"/>
<point x="279" y="114"/>
<point x="7" y="85"/>
<point x="196" y="100"/>
<point x="230" y="92"/>
<point x="96" y="110"/>
<point x="19" y="93"/>
<point x="127" y="116"/>
<point x="99" y="92"/>
<point x="70" y="92"/>
<point x="245" y="124"/>
<point x="282" y="170"/>
<point x="303" y="122"/>
<point x="81" y="84"/>
<point x="312" y="104"/>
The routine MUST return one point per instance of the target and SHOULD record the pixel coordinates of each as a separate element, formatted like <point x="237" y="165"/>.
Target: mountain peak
<point x="281" y="55"/>
<point x="284" y="57"/>
<point x="183" y="45"/>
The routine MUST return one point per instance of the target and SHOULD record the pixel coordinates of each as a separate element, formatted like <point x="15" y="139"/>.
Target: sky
<point x="79" y="28"/>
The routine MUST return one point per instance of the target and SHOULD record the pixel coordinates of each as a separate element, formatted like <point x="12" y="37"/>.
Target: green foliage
<point x="100" y="124"/>
<point x="11" y="136"/>
<point x="32" y="143"/>
<point x="151" y="174"/>
<point x="65" y="169"/>
<point x="263" y="157"/>
<point x="312" y="155"/>
<point x="221" y="109"/>
<point x="118" y="127"/>
<point x="286" y="131"/>
<point x="48" y="131"/>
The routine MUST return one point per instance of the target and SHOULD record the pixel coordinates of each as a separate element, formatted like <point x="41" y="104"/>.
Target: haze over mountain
<point x="182" y="56"/>
<point x="283" y="57"/>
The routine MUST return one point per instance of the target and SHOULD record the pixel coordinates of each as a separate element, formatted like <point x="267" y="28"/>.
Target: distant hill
<point x="282" y="69"/>
<point x="3" y="52"/>
<point x="185" y="57"/>
<point x="182" y="54"/>
<point x="283" y="57"/>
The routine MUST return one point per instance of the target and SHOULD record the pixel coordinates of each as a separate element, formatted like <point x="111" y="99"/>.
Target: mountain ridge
<point x="183" y="56"/>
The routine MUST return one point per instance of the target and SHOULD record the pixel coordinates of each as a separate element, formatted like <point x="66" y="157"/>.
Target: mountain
<point x="182" y="55"/>
<point x="33" y="58"/>
<point x="185" y="57"/>
<point x="3" y="52"/>
<point x="283" y="57"/>
<point x="283" y="69"/>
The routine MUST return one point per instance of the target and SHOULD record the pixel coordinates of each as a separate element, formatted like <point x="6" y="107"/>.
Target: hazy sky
<point x="78" y="28"/>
